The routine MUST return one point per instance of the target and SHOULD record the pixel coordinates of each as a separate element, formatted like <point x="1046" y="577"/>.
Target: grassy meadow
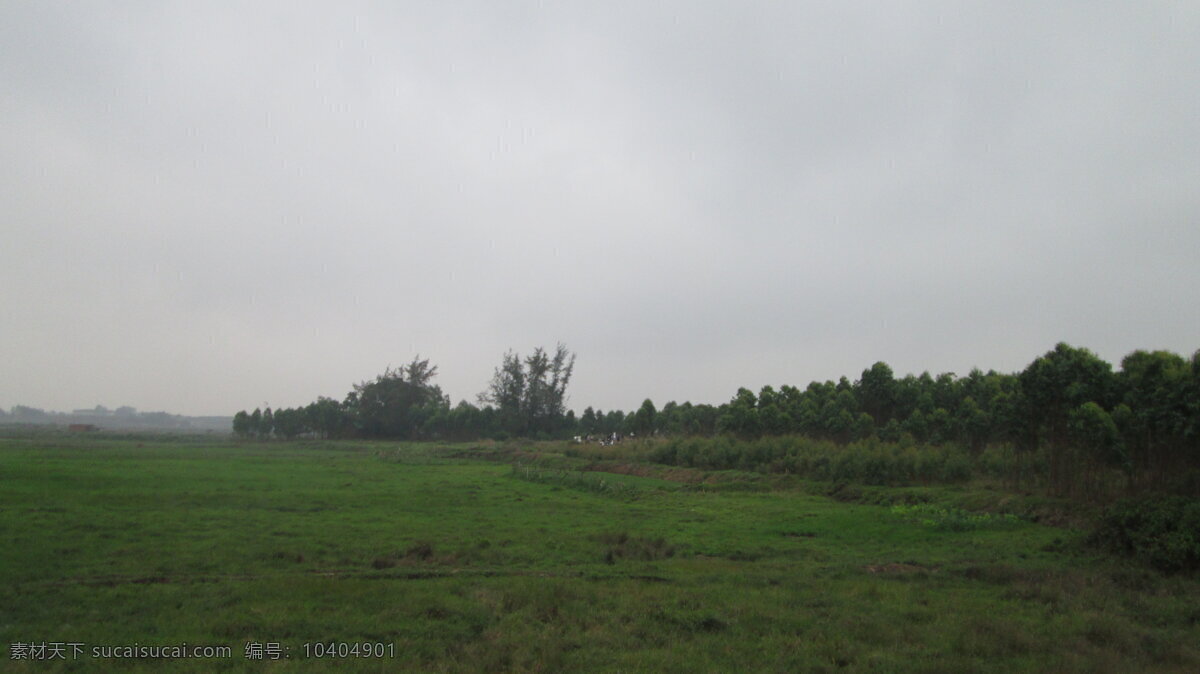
<point x="495" y="558"/>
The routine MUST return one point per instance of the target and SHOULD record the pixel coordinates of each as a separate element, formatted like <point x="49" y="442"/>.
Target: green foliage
<point x="1055" y="386"/>
<point x="289" y="422"/>
<point x="1094" y="430"/>
<point x="1163" y="532"/>
<point x="943" y="518"/>
<point x="877" y="392"/>
<point x="597" y="483"/>
<point x="326" y="418"/>
<point x="397" y="403"/>
<point x="973" y="423"/>
<point x="867" y="462"/>
<point x="622" y="546"/>
<point x="530" y="393"/>
<point x="588" y="424"/>
<point x="1066" y="422"/>
<point x="400" y="403"/>
<point x="1159" y="419"/>
<point x="241" y="424"/>
<point x="644" y="418"/>
<point x="740" y="417"/>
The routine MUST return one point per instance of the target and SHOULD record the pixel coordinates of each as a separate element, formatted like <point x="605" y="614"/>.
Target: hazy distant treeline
<point x="121" y="418"/>
<point x="1079" y="417"/>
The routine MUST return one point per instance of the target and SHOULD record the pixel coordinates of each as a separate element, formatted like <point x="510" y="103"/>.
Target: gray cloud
<point x="210" y="207"/>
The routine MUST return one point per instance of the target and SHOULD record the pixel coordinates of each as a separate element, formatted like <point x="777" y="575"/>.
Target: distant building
<point x="82" y="428"/>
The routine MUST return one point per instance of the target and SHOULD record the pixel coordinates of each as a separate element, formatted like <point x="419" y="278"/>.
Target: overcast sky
<point x="207" y="207"/>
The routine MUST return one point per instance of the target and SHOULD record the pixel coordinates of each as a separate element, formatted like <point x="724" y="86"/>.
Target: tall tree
<point x="644" y="418"/>
<point x="531" y="393"/>
<point x="1094" y="434"/>
<point x="506" y="392"/>
<point x="289" y="423"/>
<point x="587" y="423"/>
<point x="267" y="424"/>
<point x="241" y="424"/>
<point x="740" y="415"/>
<point x="877" y="392"/>
<point x="326" y="417"/>
<point x="398" y="402"/>
<point x="1055" y="385"/>
<point x="1155" y="389"/>
<point x="973" y="423"/>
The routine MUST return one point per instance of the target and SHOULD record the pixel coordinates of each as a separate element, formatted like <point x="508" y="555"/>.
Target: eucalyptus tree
<point x="1155" y="388"/>
<point x="1054" y="386"/>
<point x="877" y="392"/>
<point x="587" y="422"/>
<point x="644" y="418"/>
<point x="1095" y="436"/>
<point x="530" y="394"/>
<point x="241" y="424"/>
<point x="740" y="415"/>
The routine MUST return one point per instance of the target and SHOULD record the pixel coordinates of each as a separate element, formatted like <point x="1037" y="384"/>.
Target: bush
<point x="869" y="461"/>
<point x="1163" y="531"/>
<point x="951" y="519"/>
<point x="596" y="483"/>
<point x="623" y="546"/>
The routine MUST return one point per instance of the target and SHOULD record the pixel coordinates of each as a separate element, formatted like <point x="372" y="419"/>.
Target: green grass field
<point x="459" y="560"/>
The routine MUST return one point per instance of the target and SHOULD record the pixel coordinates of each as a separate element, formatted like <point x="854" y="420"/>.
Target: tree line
<point x="525" y="398"/>
<point x="1068" y="414"/>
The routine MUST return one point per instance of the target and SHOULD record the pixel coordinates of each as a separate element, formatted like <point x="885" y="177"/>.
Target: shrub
<point x="599" y="484"/>
<point x="1161" y="531"/>
<point x="621" y="545"/>
<point x="951" y="519"/>
<point x="868" y="461"/>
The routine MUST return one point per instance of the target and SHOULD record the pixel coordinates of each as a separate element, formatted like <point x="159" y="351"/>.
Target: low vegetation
<point x="498" y="557"/>
<point x="952" y="519"/>
<point x="1163" y="532"/>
